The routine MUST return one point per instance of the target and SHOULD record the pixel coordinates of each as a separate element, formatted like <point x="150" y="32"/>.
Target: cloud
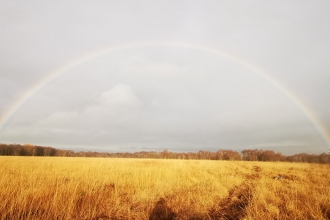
<point x="60" y="119"/>
<point x="114" y="107"/>
<point x="120" y="96"/>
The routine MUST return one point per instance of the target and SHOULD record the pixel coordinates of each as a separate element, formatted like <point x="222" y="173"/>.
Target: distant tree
<point x="324" y="158"/>
<point x="267" y="155"/>
<point x="250" y="155"/>
<point x="164" y="154"/>
<point x="230" y="155"/>
<point x="39" y="151"/>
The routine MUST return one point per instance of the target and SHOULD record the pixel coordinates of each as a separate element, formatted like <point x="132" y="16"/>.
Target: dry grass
<point x="94" y="188"/>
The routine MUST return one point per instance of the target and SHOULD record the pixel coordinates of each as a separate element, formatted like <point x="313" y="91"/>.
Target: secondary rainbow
<point x="111" y="49"/>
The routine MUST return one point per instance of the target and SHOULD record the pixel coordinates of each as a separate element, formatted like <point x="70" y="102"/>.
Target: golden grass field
<point x="104" y="188"/>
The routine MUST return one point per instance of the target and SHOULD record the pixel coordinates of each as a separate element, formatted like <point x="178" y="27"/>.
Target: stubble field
<point x="103" y="188"/>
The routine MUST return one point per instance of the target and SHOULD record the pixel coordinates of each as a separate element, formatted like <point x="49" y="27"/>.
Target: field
<point x="101" y="188"/>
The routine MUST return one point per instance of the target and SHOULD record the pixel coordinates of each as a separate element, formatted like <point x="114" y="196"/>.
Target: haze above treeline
<point x="244" y="155"/>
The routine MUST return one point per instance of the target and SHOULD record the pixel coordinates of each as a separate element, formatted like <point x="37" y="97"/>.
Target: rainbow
<point x="112" y="49"/>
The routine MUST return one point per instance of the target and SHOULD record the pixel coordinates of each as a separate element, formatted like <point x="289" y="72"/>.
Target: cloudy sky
<point x="182" y="75"/>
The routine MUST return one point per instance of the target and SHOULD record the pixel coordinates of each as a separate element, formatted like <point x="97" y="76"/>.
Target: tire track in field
<point x="229" y="208"/>
<point x="233" y="207"/>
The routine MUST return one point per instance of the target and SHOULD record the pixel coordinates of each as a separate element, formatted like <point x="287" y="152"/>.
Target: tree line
<point x="245" y="155"/>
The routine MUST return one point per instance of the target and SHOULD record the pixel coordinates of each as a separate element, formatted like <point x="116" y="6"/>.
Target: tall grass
<point x="95" y="188"/>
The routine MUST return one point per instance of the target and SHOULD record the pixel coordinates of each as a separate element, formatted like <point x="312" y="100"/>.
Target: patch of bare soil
<point x="161" y="211"/>
<point x="233" y="207"/>
<point x="325" y="211"/>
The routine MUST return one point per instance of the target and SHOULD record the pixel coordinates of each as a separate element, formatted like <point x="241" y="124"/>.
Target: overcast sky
<point x="180" y="75"/>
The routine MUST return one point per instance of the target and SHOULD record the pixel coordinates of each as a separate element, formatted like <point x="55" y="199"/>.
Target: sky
<point x="127" y="76"/>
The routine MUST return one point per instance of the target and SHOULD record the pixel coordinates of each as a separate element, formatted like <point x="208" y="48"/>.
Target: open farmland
<point x="100" y="188"/>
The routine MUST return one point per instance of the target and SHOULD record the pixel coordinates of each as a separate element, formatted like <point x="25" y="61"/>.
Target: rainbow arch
<point x="5" y="118"/>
